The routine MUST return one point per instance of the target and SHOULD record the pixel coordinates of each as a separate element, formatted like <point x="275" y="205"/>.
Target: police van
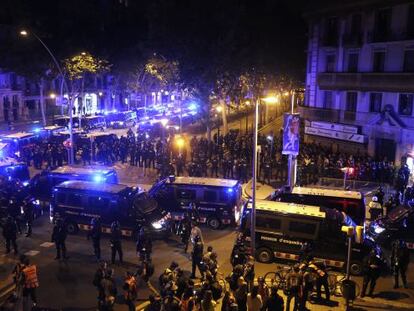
<point x="17" y="141"/>
<point x="398" y="224"/>
<point x="218" y="201"/>
<point x="43" y="183"/>
<point x="350" y="202"/>
<point x="284" y="229"/>
<point x="12" y="169"/>
<point x="80" y="201"/>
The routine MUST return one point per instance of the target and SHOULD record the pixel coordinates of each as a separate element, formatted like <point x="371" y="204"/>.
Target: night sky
<point x="231" y="34"/>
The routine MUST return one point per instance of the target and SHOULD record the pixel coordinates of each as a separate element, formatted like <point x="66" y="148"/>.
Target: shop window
<point x="405" y="105"/>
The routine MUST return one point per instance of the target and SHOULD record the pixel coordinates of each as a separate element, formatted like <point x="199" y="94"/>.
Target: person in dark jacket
<point x="274" y="302"/>
<point x="144" y="244"/>
<point x="10" y="234"/>
<point x="372" y="268"/>
<point x="197" y="257"/>
<point x="59" y="235"/>
<point x="95" y="235"/>
<point x="116" y="245"/>
<point x="400" y="258"/>
<point x="28" y="217"/>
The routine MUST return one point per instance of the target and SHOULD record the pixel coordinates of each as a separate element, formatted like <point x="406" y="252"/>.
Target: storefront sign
<point x="356" y="138"/>
<point x="291" y="134"/>
<point x="334" y="127"/>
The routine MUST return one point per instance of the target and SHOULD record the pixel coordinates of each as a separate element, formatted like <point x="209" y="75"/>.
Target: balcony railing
<point x="349" y="116"/>
<point x="352" y="40"/>
<point x="319" y="114"/>
<point x="389" y="36"/>
<point x="367" y="81"/>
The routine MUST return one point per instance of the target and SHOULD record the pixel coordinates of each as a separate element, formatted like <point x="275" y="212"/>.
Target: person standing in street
<point x="109" y="291"/>
<point x="254" y="300"/>
<point x="116" y="245"/>
<point x="371" y="273"/>
<point x="275" y="301"/>
<point x="95" y="235"/>
<point x="197" y="257"/>
<point x="59" y="235"/>
<point x="400" y="258"/>
<point x="294" y="283"/>
<point x="10" y="234"/>
<point x="97" y="280"/>
<point x="30" y="281"/>
<point x="28" y="218"/>
<point x="130" y="290"/>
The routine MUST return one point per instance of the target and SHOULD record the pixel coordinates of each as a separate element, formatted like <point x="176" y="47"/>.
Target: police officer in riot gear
<point x="59" y="235"/>
<point x="28" y="217"/>
<point x="116" y="245"/>
<point x="144" y="244"/>
<point x="197" y="257"/>
<point x="95" y="235"/>
<point x="372" y="268"/>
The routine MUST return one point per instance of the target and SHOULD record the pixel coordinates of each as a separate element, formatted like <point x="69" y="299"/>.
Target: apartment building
<point x="360" y="77"/>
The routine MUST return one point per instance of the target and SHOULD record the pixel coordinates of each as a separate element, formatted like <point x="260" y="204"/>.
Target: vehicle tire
<point x="214" y="223"/>
<point x="72" y="227"/>
<point x="355" y="268"/>
<point x="264" y="255"/>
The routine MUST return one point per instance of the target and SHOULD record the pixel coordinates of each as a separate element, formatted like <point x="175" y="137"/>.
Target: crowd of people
<point x="228" y="156"/>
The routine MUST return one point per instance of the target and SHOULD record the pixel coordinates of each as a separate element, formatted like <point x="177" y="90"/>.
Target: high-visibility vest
<point x="319" y="271"/>
<point x="30" y="277"/>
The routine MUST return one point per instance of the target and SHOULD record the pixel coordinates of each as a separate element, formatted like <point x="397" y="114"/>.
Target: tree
<point x="76" y="68"/>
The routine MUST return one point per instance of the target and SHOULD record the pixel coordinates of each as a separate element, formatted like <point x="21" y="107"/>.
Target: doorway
<point x="385" y="148"/>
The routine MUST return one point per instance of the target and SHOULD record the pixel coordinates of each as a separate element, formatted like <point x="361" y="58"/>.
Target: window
<point x="409" y="61"/>
<point x="410" y="22"/>
<point x="351" y="101"/>
<point x="225" y="195"/>
<point x="353" y="62"/>
<point x="268" y="222"/>
<point x="355" y="24"/>
<point x="383" y="23"/>
<point x="405" y="105"/>
<point x="330" y="63"/>
<point x="375" y="100"/>
<point x="74" y="199"/>
<point x="98" y="203"/>
<point x="186" y="194"/>
<point x="379" y="61"/>
<point x="327" y="100"/>
<point x="302" y="227"/>
<point x="210" y="196"/>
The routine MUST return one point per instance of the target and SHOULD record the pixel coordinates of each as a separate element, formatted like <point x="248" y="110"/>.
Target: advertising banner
<point x="291" y="134"/>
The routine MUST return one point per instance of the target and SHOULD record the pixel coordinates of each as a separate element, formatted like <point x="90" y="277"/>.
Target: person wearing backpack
<point x="294" y="287"/>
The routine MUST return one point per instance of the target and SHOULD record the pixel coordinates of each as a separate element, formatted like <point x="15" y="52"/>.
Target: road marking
<point x="32" y="253"/>
<point x="142" y="306"/>
<point x="47" y="244"/>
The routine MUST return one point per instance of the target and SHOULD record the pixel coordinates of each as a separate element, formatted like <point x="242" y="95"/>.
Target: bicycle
<point x="277" y="277"/>
<point x="335" y="284"/>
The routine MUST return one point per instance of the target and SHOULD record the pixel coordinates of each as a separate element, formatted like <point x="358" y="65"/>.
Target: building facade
<point x="360" y="78"/>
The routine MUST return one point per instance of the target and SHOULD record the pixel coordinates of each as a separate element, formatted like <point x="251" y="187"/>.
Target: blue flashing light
<point x="230" y="190"/>
<point x="25" y="183"/>
<point x="106" y="113"/>
<point x="15" y="140"/>
<point x="36" y="130"/>
<point x="98" y="178"/>
<point x="193" y="106"/>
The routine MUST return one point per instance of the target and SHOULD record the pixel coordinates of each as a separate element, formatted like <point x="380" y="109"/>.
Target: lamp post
<point x="292" y="161"/>
<point x="25" y="33"/>
<point x="269" y="100"/>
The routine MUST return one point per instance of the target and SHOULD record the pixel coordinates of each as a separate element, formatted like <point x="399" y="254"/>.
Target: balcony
<point x="352" y="40"/>
<point x="374" y="36"/>
<point x="319" y="114"/>
<point x="367" y="81"/>
<point x="329" y="41"/>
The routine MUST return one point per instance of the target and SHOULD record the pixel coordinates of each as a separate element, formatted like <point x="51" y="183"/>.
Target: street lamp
<point x="25" y="33"/>
<point x="52" y="95"/>
<point x="267" y="100"/>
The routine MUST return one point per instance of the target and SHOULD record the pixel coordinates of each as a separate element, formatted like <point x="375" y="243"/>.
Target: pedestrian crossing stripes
<point x="47" y="244"/>
<point x="31" y="253"/>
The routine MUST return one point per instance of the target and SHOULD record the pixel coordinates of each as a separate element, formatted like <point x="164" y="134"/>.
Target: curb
<point x="388" y="303"/>
<point x="5" y="291"/>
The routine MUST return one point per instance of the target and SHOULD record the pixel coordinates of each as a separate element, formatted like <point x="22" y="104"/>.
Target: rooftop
<point x="18" y="135"/>
<point x="92" y="186"/>
<point x="288" y="208"/>
<point x="204" y="181"/>
<point x="328" y="192"/>
<point x="82" y="170"/>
